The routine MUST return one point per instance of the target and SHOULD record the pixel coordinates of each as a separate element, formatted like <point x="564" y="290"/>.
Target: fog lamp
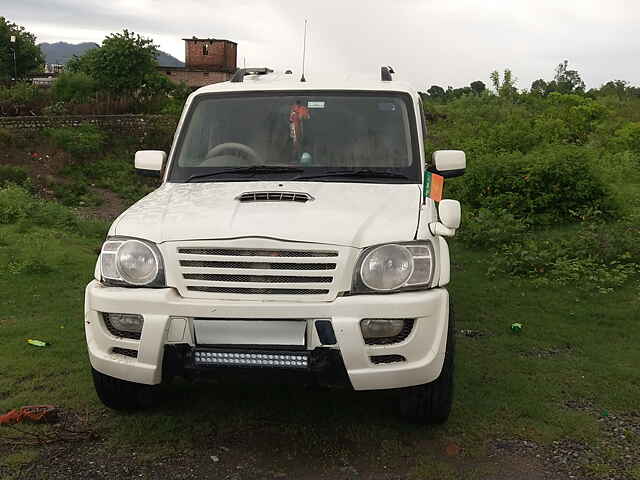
<point x="381" y="327"/>
<point x="126" y="322"/>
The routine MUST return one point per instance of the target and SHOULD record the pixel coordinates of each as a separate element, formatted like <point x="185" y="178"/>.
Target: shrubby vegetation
<point x="552" y="186"/>
<point x="82" y="141"/>
<point x="19" y="206"/>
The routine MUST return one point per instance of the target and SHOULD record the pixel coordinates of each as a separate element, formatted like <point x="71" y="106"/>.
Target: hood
<point x="348" y="214"/>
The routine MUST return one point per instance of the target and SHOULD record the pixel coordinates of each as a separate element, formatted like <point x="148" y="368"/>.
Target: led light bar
<point x="295" y="360"/>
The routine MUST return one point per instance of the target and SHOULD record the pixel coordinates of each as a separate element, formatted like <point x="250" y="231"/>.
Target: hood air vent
<point x="274" y="197"/>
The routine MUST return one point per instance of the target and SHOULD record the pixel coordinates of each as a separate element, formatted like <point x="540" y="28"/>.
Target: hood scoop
<point x="299" y="197"/>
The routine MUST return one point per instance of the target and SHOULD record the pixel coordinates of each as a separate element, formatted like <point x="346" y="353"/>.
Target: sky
<point x="445" y="42"/>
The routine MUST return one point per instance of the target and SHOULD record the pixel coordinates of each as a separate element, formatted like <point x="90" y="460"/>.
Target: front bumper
<point x="423" y="350"/>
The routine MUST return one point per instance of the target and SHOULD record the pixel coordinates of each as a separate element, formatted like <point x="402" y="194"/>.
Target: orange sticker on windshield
<point x="437" y="187"/>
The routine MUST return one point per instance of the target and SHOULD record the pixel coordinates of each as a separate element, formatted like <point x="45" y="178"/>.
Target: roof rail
<point x="385" y="73"/>
<point x="241" y="72"/>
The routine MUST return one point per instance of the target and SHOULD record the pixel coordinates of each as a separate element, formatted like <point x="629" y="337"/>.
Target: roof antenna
<point x="304" y="50"/>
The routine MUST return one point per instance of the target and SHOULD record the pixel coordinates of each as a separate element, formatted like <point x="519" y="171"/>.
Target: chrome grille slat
<point x="255" y="252"/>
<point x="257" y="265"/>
<point x="255" y="278"/>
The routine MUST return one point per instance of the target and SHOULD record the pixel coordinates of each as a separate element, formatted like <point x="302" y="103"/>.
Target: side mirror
<point x="449" y="213"/>
<point x="149" y="162"/>
<point x="449" y="163"/>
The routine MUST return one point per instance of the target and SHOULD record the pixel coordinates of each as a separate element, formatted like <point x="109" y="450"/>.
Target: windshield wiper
<point x="360" y="173"/>
<point x="244" y="170"/>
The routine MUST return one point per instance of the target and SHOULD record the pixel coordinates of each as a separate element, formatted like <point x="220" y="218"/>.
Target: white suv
<point x="293" y="234"/>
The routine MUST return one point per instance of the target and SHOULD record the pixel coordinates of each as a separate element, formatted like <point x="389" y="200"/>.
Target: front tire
<point x="430" y="403"/>
<point x="122" y="395"/>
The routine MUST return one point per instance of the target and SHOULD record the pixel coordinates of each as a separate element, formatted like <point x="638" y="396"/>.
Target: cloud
<point x="428" y="42"/>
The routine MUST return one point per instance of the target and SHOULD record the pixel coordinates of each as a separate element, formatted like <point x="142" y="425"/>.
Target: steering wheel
<point x="243" y="151"/>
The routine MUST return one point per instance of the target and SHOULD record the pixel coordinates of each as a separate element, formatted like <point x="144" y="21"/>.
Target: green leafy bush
<point x="114" y="172"/>
<point x="75" y="195"/>
<point x="74" y="87"/>
<point x="22" y="99"/>
<point x="596" y="256"/>
<point x="82" y="140"/>
<point x="11" y="174"/>
<point x="486" y="228"/>
<point x="18" y="206"/>
<point x="6" y="139"/>
<point x="629" y="136"/>
<point x="546" y="186"/>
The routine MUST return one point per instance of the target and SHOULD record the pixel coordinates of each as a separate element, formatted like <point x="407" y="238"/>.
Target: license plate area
<point x="257" y="333"/>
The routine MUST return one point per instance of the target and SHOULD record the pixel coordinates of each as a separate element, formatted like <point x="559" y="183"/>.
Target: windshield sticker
<point x="315" y="104"/>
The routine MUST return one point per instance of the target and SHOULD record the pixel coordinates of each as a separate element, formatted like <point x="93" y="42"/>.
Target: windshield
<point x="330" y="136"/>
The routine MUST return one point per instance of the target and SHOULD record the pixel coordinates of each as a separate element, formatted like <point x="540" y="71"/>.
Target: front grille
<point x="119" y="333"/>
<point x="378" y="359"/>
<point x="258" y="271"/>
<point x="404" y="333"/>
<point x="274" y="197"/>
<point x="127" y="352"/>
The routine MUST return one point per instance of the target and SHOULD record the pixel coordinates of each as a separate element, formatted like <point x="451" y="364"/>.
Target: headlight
<point x="394" y="266"/>
<point x="131" y="262"/>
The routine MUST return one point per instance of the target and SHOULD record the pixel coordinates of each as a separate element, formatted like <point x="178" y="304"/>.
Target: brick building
<point x="207" y="61"/>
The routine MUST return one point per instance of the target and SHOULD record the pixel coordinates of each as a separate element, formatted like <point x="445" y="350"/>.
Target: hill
<point x="61" y="53"/>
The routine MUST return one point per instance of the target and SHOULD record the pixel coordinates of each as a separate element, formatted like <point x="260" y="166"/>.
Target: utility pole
<point x="15" y="65"/>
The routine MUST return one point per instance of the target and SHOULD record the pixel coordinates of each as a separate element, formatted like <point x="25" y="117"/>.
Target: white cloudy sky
<point x="445" y="42"/>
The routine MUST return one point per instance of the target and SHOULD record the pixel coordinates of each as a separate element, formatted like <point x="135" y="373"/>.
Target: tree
<point x="505" y="87"/>
<point x="436" y="92"/>
<point x="539" y="87"/>
<point x="568" y="81"/>
<point x="478" y="87"/>
<point x="617" y="88"/>
<point x="28" y="56"/>
<point x="125" y="64"/>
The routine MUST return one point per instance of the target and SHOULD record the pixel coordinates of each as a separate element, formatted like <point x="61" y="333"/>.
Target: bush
<point x="115" y="173"/>
<point x="629" y="136"/>
<point x="600" y="256"/>
<point x="74" y="87"/>
<point x="75" y="195"/>
<point x="22" y="99"/>
<point x="18" y="206"/>
<point x="550" y="185"/>
<point x="82" y="140"/>
<point x="6" y="139"/>
<point x="16" y="175"/>
<point x="486" y="228"/>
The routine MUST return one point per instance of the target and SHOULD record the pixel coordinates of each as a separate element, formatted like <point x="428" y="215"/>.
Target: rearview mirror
<point x="449" y="163"/>
<point x="149" y="162"/>
<point x="449" y="213"/>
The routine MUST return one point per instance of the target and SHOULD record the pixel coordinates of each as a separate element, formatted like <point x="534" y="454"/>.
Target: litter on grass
<point x="32" y="413"/>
